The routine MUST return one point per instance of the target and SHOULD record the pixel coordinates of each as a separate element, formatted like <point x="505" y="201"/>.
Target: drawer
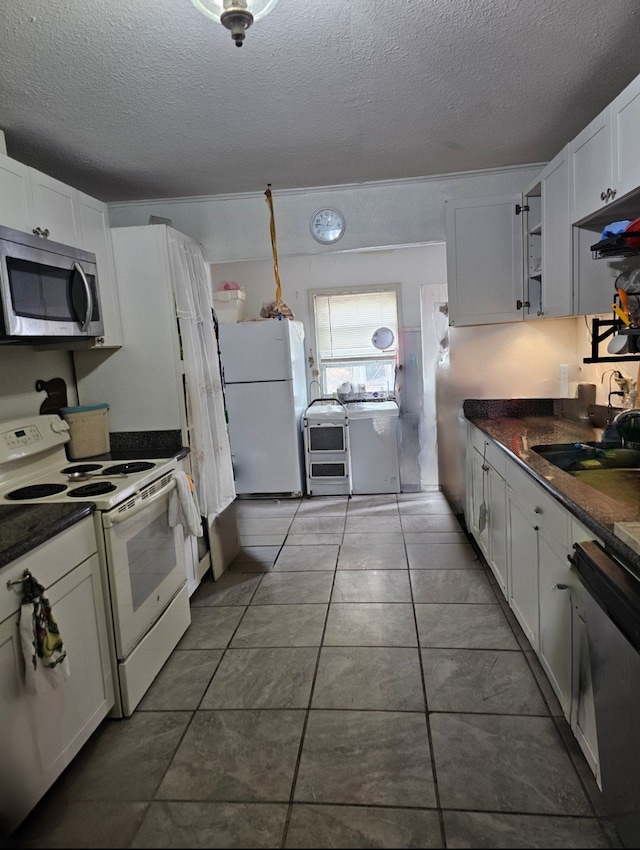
<point x="47" y="563"/>
<point x="551" y="514"/>
<point x="489" y="450"/>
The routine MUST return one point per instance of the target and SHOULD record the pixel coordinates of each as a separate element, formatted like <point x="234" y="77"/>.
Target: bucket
<point x="88" y="430"/>
<point x="229" y="305"/>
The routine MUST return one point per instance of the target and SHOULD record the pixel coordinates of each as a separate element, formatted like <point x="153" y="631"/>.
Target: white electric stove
<point x="34" y="467"/>
<point x="142" y="556"/>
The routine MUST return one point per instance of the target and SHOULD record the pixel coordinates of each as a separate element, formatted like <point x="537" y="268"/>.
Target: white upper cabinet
<point x="592" y="167"/>
<point x="604" y="157"/>
<point x="509" y="257"/>
<point x="556" y="285"/>
<point x="484" y="260"/>
<point x="15" y="195"/>
<point x="625" y="119"/>
<point x="56" y="211"/>
<point x="36" y="203"/>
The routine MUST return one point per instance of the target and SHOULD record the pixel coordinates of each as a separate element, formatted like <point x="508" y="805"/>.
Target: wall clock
<point x="327" y="226"/>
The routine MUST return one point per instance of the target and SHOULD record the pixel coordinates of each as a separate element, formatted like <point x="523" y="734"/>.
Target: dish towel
<point x="45" y="658"/>
<point x="183" y="505"/>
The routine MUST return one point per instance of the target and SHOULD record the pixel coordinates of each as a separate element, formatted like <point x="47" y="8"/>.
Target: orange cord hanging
<point x="275" y="252"/>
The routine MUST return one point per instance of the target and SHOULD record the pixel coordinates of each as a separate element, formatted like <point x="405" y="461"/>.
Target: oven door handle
<point x="111" y="518"/>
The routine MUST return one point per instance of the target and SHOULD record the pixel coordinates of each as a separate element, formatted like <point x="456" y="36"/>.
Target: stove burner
<point x="132" y="466"/>
<point x="96" y="488"/>
<point x="36" y="491"/>
<point x="82" y="467"/>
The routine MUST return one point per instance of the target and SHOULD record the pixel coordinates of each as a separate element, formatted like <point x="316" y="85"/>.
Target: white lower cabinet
<point x="522" y="560"/>
<point x="42" y="732"/>
<point x="555" y="589"/>
<point x="486" y="507"/>
<point x="535" y="533"/>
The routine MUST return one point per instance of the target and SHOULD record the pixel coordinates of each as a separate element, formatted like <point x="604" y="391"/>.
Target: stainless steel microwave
<point x="48" y="291"/>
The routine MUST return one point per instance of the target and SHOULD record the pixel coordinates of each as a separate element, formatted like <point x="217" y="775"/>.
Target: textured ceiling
<point x="142" y="99"/>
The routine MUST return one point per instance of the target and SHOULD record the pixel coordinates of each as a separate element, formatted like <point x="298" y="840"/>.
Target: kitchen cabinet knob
<point x="536" y="528"/>
<point x="537" y="510"/>
<point x="485" y="467"/>
<point x="603" y="196"/>
<point x="613" y="193"/>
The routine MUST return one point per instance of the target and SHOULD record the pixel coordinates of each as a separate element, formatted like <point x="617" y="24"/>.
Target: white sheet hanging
<point x="210" y="449"/>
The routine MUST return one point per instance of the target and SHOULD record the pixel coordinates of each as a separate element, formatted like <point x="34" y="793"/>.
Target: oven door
<point x="145" y="562"/>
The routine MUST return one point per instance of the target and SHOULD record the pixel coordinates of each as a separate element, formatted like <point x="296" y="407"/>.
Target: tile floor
<point x="355" y="679"/>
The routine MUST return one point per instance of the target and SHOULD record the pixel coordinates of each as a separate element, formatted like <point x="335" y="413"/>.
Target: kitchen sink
<point x="612" y="471"/>
<point x="573" y="457"/>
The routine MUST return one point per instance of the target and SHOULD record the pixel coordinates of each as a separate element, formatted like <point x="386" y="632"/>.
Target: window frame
<point x="363" y="289"/>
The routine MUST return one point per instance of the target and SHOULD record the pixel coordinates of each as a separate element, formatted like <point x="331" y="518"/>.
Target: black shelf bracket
<point x="602" y="329"/>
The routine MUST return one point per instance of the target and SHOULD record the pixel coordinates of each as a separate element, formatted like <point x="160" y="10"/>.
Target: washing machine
<point x="326" y="448"/>
<point x="373" y="447"/>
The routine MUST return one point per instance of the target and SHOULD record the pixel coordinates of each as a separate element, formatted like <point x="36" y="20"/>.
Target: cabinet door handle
<point x="536" y="528"/>
<point x="485" y="468"/>
<point x="537" y="510"/>
<point x="603" y="195"/>
<point x="520" y="304"/>
<point x="39" y="231"/>
<point x="613" y="193"/>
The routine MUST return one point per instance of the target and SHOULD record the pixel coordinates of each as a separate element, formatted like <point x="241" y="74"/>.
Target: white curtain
<point x="208" y="438"/>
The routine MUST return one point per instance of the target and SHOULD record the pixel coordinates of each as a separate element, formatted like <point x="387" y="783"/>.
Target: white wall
<point x="20" y="368"/>
<point x="395" y="234"/>
<point x="516" y="360"/>
<point x="600" y="373"/>
<point x="410" y="267"/>
<point x="236" y="227"/>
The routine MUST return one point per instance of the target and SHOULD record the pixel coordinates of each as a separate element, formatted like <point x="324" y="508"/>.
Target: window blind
<point x="346" y="323"/>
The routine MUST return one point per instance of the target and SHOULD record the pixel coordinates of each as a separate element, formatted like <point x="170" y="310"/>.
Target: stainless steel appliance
<point x="612" y="611"/>
<point x="47" y="290"/>
<point x="142" y="557"/>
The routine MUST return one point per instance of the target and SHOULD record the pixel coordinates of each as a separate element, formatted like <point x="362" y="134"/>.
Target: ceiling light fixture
<point x="235" y="15"/>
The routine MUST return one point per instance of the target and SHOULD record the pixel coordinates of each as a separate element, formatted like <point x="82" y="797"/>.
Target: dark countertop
<point x="136" y="454"/>
<point x="23" y="527"/>
<point x="517" y="430"/>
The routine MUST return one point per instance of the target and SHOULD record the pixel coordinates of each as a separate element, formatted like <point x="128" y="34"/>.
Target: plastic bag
<point x="270" y="310"/>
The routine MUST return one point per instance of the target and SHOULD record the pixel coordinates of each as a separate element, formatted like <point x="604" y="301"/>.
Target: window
<point x="345" y="322"/>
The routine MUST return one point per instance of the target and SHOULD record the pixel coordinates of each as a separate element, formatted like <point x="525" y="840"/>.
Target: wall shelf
<point x="615" y="246"/>
<point x="602" y="329"/>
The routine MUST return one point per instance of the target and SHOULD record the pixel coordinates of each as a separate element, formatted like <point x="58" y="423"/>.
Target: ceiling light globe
<point x="236" y="15"/>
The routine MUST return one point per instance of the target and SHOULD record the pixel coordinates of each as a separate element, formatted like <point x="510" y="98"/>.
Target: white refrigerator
<point x="266" y="395"/>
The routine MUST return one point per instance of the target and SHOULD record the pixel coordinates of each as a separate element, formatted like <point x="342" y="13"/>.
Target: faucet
<point x="625" y="417"/>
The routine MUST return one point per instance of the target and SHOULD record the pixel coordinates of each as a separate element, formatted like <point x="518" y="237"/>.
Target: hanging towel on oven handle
<point x="183" y="505"/>
<point x="45" y="658"/>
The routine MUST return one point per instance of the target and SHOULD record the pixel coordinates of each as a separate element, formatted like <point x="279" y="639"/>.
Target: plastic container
<point x="229" y="305"/>
<point x="88" y="430"/>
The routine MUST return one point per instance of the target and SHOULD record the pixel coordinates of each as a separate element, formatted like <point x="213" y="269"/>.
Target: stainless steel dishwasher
<point x="612" y="611"/>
